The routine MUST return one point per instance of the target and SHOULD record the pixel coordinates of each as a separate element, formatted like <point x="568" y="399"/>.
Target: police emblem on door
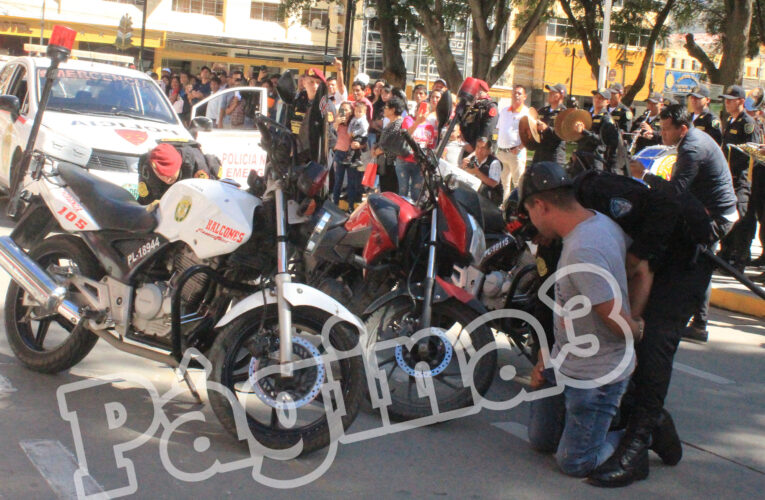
<point x="182" y="209"/>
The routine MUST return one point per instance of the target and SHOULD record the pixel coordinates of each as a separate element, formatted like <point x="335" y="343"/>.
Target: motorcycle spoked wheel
<point x="47" y="343"/>
<point x="403" y="366"/>
<point x="265" y="398"/>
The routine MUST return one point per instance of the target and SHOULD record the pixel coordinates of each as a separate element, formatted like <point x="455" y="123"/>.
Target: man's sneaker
<point x="696" y="332"/>
<point x="665" y="441"/>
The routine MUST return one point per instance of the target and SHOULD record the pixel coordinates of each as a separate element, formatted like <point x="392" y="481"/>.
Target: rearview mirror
<point x="444" y="108"/>
<point x="10" y="103"/>
<point x="202" y="123"/>
<point x="286" y="88"/>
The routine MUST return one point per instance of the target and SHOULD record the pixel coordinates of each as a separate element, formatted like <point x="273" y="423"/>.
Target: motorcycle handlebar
<point x="419" y="154"/>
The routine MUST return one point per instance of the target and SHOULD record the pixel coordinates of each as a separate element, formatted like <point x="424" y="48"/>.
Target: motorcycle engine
<point x="152" y="305"/>
<point x="496" y="286"/>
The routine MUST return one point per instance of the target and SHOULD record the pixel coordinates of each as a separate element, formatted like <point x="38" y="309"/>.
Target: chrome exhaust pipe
<point x="35" y="281"/>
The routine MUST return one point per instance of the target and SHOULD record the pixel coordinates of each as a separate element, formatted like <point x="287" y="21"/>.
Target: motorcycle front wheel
<point x="44" y="342"/>
<point x="283" y="411"/>
<point x="434" y="357"/>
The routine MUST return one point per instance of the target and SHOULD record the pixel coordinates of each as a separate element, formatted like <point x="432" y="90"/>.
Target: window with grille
<point x="266" y="11"/>
<point x="311" y="13"/>
<point x="207" y="7"/>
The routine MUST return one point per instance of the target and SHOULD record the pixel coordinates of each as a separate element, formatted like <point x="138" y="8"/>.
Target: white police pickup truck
<point x="233" y="137"/>
<point x="99" y="116"/>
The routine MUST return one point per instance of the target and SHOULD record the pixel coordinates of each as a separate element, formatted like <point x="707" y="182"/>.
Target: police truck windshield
<point x="91" y="92"/>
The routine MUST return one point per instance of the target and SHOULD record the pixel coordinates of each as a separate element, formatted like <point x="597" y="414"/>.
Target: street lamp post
<point x="603" y="68"/>
<point x="143" y="34"/>
<point x="316" y="24"/>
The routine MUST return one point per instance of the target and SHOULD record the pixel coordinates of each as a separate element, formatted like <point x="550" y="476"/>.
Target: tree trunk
<point x="431" y="25"/>
<point x="394" y="69"/>
<point x="528" y="29"/>
<point x="639" y="82"/>
<point x="735" y="40"/>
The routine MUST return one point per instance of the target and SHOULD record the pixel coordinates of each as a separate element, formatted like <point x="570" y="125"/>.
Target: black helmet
<point x="539" y="177"/>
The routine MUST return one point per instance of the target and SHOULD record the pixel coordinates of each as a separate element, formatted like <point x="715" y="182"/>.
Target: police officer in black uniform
<point x="550" y="146"/>
<point x="316" y="135"/>
<point x="703" y="119"/>
<point x="597" y="147"/>
<point x="619" y="111"/>
<point x="479" y="120"/>
<point x="739" y="129"/>
<point x="702" y="189"/>
<point x="647" y="126"/>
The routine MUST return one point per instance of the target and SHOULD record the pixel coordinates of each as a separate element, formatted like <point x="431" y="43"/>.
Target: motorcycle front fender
<point x="297" y="294"/>
<point x="442" y="291"/>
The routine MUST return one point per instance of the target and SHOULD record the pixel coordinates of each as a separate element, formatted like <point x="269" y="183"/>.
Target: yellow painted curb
<point x="741" y="302"/>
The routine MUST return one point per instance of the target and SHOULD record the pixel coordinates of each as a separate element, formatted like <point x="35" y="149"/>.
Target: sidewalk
<point x="728" y="293"/>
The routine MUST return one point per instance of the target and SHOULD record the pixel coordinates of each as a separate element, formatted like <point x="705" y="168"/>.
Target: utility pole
<point x="143" y="34"/>
<point x="603" y="68"/>
<point x="42" y="22"/>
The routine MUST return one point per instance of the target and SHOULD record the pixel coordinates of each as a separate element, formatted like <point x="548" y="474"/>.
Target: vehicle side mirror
<point x="286" y="89"/>
<point x="10" y="103"/>
<point x="444" y="109"/>
<point x="202" y="123"/>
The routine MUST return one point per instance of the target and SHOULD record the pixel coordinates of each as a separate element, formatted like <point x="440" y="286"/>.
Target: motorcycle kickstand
<point x="182" y="374"/>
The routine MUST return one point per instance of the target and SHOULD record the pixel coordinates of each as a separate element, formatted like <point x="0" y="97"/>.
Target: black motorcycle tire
<point x="80" y="342"/>
<point x="452" y="311"/>
<point x="223" y="355"/>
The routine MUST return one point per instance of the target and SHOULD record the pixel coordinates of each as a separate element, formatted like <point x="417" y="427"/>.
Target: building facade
<point x="187" y="34"/>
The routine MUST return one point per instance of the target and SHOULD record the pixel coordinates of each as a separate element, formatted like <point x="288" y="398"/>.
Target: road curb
<point x="738" y="301"/>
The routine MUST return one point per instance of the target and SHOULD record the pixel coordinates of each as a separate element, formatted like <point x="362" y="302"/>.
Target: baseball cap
<point x="165" y="160"/>
<point x="316" y="73"/>
<point x="540" y="177"/>
<point x="700" y="91"/>
<point x="617" y="87"/>
<point x="734" y="92"/>
<point x="606" y="93"/>
<point x="558" y="87"/>
<point x="655" y="97"/>
<point x="670" y="100"/>
<point x="441" y="81"/>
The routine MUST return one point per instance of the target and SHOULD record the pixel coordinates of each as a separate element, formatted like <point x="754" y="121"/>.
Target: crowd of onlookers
<point x="234" y="109"/>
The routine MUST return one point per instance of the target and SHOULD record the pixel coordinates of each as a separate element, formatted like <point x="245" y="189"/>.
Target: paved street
<point x="717" y="398"/>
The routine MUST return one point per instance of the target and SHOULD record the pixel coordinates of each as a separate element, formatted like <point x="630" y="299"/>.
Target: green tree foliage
<point x="435" y="21"/>
<point x="635" y="18"/>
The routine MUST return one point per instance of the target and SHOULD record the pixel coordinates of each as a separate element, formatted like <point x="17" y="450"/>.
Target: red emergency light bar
<point x="61" y="43"/>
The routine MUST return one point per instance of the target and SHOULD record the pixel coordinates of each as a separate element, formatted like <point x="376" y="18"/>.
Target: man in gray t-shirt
<point x="595" y="245"/>
<point x="594" y="331"/>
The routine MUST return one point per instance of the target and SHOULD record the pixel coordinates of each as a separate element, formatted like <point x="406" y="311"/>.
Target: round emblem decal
<point x="143" y="191"/>
<point x="182" y="209"/>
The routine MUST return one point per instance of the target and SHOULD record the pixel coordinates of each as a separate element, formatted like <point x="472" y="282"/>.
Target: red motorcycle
<point x="400" y="248"/>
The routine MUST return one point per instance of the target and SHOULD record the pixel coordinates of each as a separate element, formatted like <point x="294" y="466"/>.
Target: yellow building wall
<point x="557" y="68"/>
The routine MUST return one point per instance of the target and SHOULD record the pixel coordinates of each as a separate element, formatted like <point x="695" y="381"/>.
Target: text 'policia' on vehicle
<point x="100" y="116"/>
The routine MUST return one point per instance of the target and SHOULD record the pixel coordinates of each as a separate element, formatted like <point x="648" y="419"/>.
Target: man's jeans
<point x="575" y="425"/>
<point x="409" y="179"/>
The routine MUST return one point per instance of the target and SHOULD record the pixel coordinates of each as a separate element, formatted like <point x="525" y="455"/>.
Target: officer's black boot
<point x="665" y="441"/>
<point x="629" y="462"/>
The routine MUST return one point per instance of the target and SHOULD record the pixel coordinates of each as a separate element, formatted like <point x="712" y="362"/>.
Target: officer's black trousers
<point x="755" y="211"/>
<point x="736" y="244"/>
<point x="677" y="292"/>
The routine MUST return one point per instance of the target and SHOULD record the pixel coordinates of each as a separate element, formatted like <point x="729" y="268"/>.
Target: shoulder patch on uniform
<point x="492" y="111"/>
<point x="716" y="123"/>
<point x="143" y="191"/>
<point x="628" y="115"/>
<point x="330" y="117"/>
<point x="620" y="207"/>
<point x="749" y="128"/>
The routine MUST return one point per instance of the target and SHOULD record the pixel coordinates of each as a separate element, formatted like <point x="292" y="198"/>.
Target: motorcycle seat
<point x="111" y="206"/>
